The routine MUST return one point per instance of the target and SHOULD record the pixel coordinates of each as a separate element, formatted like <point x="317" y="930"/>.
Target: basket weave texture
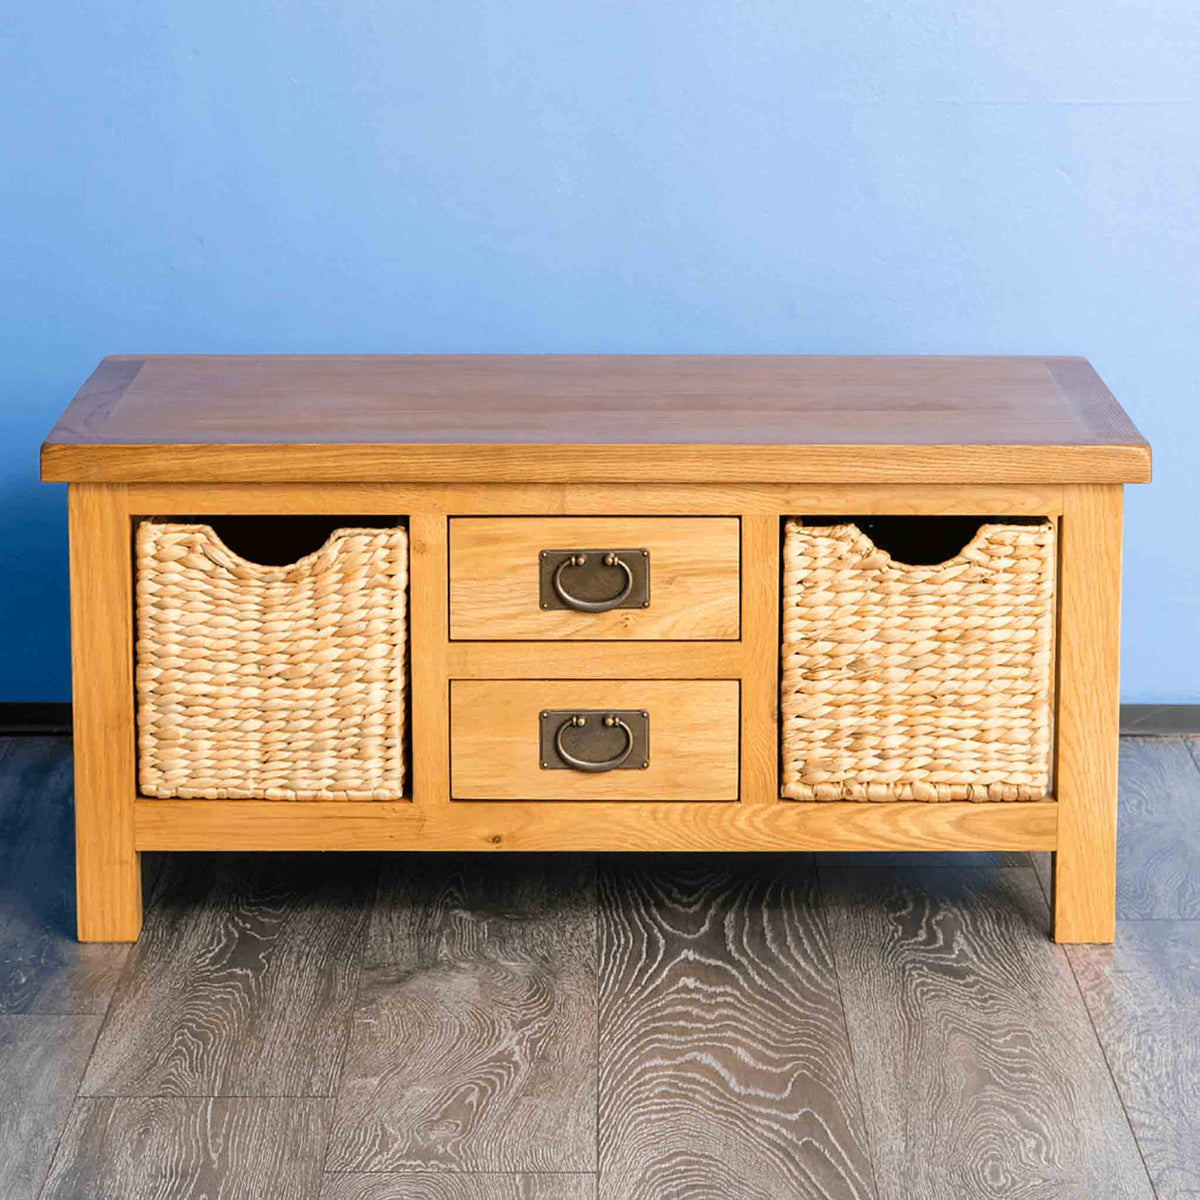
<point x="917" y="682"/>
<point x="275" y="683"/>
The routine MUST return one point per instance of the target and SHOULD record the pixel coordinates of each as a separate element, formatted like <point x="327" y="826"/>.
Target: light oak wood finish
<point x="602" y="660"/>
<point x="624" y="825"/>
<point x="586" y="417"/>
<point x="455" y="442"/>
<point x="108" y="875"/>
<point x="427" y="668"/>
<point x="1088" y="714"/>
<point x="760" y="662"/>
<point x="582" y="499"/>
<point x="693" y="570"/>
<point x="494" y="739"/>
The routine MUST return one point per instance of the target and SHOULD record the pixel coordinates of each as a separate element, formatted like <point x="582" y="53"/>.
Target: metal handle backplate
<point x="594" y="581"/>
<point x="594" y="740"/>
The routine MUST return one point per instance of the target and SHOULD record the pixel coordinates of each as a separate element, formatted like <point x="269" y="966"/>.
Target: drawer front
<point x="499" y="739"/>
<point x="685" y="586"/>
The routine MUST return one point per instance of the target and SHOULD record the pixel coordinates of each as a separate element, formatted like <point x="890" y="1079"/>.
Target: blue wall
<point x="893" y="176"/>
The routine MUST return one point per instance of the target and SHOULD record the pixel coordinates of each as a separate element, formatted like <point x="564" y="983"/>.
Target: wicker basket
<point x="917" y="682"/>
<point x="275" y="683"/>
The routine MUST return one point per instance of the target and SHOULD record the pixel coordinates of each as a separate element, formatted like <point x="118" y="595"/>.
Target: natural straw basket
<point x="276" y="683"/>
<point x="917" y="682"/>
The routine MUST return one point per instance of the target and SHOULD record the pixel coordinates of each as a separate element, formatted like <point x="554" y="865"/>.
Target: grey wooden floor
<point x="362" y="1027"/>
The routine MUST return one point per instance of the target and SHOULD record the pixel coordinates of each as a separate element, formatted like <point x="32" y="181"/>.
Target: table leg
<point x="107" y="870"/>
<point x="1088" y="726"/>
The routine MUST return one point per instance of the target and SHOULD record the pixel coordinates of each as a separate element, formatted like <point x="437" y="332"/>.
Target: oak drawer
<point x="497" y="736"/>
<point x="502" y="586"/>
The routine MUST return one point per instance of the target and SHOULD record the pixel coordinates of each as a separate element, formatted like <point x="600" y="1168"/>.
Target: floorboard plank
<point x="43" y="969"/>
<point x="446" y="1185"/>
<point x="36" y="775"/>
<point x="1158" y="849"/>
<point x="41" y="1062"/>
<point x="175" y="1148"/>
<point x="242" y="983"/>
<point x="725" y="1068"/>
<point x="980" y="1072"/>
<point x="1143" y="993"/>
<point x="6" y="747"/>
<point x="474" y="1042"/>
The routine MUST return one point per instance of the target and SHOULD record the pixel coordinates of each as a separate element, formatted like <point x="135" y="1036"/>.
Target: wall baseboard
<point x="1160" y="720"/>
<point x="17" y="718"/>
<point x="1137" y="720"/>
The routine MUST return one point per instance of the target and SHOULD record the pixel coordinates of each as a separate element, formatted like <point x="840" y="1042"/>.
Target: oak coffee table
<point x="594" y="603"/>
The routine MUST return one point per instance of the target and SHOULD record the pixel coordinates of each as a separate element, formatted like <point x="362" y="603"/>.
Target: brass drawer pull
<point x="578" y="560"/>
<point x="583" y="580"/>
<point x="583" y="764"/>
<point x="592" y="733"/>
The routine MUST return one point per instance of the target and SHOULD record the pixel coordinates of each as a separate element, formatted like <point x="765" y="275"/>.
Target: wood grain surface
<point x="433" y="1185"/>
<point x="721" y="982"/>
<point x="759" y="824"/>
<point x="608" y="399"/>
<point x="428" y="617"/>
<point x="725" y="1067"/>
<point x="1158" y="850"/>
<point x="693" y="573"/>
<point x="43" y="968"/>
<point x="604" y="660"/>
<point x="714" y="497"/>
<point x="41" y="1062"/>
<point x="759" y="674"/>
<point x="242" y="982"/>
<point x="1086" y="719"/>
<point x="108" y="878"/>
<point x="1143" y="994"/>
<point x="980" y="1072"/>
<point x="320" y="418"/>
<point x="1158" y="814"/>
<point x="495" y="729"/>
<point x="175" y="1148"/>
<point x="474" y="1039"/>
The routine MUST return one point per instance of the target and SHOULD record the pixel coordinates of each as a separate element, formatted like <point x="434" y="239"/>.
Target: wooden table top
<point x="617" y="418"/>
